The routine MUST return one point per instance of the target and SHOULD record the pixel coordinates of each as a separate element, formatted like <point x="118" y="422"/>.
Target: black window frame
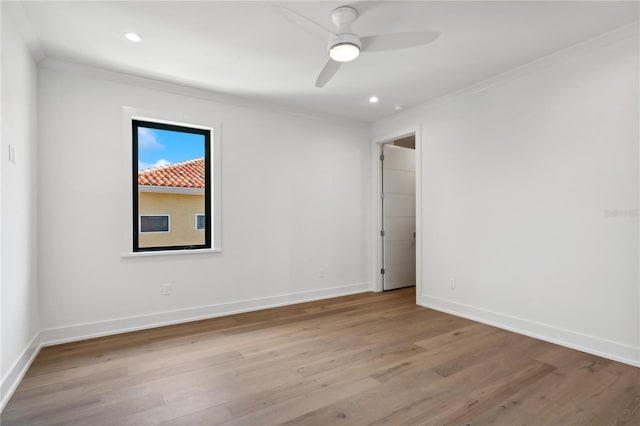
<point x="184" y="128"/>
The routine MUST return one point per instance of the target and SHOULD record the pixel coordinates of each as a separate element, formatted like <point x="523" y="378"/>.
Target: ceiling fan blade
<point x="303" y="22"/>
<point x="329" y="70"/>
<point x="383" y="42"/>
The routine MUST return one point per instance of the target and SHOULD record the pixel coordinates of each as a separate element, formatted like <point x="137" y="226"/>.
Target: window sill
<point x="170" y="252"/>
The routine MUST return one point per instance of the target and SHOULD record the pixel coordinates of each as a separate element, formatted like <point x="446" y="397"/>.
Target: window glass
<point x="171" y="166"/>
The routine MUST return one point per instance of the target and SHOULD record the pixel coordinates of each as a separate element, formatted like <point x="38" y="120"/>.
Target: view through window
<point x="171" y="165"/>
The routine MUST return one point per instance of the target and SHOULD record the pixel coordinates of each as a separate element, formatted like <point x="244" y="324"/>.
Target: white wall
<point x="530" y="197"/>
<point x="19" y="317"/>
<point x="293" y="199"/>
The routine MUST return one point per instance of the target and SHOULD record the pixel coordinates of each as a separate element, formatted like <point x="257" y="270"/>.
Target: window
<point x="200" y="222"/>
<point x="154" y="223"/>
<point x="172" y="175"/>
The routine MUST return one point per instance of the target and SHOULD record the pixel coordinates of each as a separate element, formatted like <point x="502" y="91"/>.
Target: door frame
<point x="376" y="252"/>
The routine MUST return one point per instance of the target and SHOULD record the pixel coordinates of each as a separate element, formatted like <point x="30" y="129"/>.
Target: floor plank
<point x="372" y="358"/>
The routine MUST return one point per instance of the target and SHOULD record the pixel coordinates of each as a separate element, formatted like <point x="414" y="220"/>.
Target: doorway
<point x="398" y="213"/>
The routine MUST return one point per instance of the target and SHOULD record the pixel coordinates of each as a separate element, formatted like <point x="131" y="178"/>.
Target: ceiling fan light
<point x="344" y="52"/>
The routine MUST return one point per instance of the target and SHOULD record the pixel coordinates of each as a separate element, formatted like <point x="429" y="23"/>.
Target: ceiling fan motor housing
<point x="345" y="38"/>
<point x="343" y="17"/>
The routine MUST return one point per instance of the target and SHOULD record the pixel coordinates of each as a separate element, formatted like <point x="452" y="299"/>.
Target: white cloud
<point x="147" y="140"/>
<point x="161" y="162"/>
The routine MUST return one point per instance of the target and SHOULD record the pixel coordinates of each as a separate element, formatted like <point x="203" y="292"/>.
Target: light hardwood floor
<point x="373" y="358"/>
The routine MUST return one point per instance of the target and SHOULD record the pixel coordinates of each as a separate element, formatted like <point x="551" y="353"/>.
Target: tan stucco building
<point x="171" y="205"/>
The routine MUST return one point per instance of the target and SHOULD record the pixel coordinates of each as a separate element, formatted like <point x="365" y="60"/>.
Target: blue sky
<point x="162" y="147"/>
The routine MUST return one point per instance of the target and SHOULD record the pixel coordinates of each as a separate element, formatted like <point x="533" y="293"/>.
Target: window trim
<point x="168" y="216"/>
<point x="197" y="118"/>
<point x="207" y="133"/>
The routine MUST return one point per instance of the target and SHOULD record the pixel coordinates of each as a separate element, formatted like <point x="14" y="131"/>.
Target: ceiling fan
<point x="345" y="46"/>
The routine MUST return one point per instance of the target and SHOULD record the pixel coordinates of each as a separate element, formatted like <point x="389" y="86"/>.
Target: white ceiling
<point x="253" y="50"/>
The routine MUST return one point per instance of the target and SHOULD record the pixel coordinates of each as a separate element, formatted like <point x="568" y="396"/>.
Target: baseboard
<point x="54" y="336"/>
<point x="17" y="371"/>
<point x="594" y="345"/>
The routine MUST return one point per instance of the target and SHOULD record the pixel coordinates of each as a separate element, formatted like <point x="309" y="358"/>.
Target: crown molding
<point x="185" y="90"/>
<point x="625" y="32"/>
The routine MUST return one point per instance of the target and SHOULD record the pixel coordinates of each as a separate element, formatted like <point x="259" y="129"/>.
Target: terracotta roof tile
<point x="188" y="174"/>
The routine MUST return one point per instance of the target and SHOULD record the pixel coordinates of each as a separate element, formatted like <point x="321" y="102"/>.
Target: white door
<point x="398" y="217"/>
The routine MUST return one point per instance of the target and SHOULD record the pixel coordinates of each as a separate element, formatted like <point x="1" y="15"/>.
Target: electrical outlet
<point x="452" y="283"/>
<point x="166" y="289"/>
<point x="321" y="273"/>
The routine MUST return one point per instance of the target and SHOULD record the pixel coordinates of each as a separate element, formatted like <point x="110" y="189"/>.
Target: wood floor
<point x="373" y="358"/>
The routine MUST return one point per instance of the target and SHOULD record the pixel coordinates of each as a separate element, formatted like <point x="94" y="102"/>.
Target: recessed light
<point x="373" y="99"/>
<point x="133" y="37"/>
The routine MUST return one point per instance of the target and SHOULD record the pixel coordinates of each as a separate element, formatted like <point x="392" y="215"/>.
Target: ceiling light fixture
<point x="373" y="99"/>
<point x="344" y="52"/>
<point x="133" y="37"/>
